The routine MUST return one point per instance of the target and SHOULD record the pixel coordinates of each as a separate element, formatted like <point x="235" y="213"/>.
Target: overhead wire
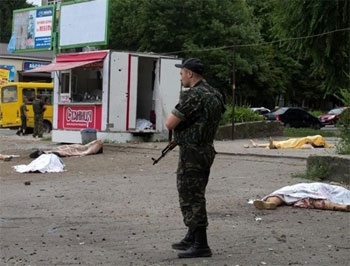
<point x="259" y="44"/>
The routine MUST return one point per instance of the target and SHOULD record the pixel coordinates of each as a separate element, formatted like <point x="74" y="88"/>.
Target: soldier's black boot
<point x="200" y="247"/>
<point x="185" y="243"/>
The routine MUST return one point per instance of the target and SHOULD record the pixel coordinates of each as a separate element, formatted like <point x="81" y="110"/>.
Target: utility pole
<point x="233" y="89"/>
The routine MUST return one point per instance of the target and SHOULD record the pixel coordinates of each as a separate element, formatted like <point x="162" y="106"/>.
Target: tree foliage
<point x="301" y="70"/>
<point x="312" y="64"/>
<point x="205" y="29"/>
<point x="320" y="32"/>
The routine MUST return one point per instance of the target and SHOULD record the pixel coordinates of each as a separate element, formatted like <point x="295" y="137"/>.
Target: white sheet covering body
<point x="316" y="190"/>
<point x="44" y="163"/>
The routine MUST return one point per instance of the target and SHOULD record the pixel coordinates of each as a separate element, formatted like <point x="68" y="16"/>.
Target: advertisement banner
<point x="10" y="72"/>
<point x="33" y="28"/>
<point x="87" y="17"/>
<point x="29" y="65"/>
<point x="4" y="75"/>
<point x="79" y="116"/>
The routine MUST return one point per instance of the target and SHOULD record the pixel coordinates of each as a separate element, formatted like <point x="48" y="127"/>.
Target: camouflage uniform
<point x="23" y="110"/>
<point x="38" y="109"/>
<point x="200" y="109"/>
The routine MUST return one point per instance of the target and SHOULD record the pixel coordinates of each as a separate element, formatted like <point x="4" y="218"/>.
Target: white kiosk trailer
<point x="124" y="96"/>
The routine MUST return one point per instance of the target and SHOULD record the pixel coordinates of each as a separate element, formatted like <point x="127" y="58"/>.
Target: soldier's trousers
<point x="38" y="125"/>
<point x="23" y="123"/>
<point x="192" y="178"/>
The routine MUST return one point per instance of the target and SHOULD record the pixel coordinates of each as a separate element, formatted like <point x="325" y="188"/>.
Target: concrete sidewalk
<point x="337" y="166"/>
<point x="240" y="147"/>
<point x="243" y="147"/>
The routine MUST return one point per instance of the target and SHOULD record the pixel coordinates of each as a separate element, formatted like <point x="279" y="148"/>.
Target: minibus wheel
<point x="47" y="126"/>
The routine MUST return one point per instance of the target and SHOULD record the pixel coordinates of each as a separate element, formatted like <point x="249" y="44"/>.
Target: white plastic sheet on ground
<point x="45" y="163"/>
<point x="294" y="193"/>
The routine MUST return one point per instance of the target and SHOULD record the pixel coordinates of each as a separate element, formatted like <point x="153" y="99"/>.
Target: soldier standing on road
<point x="195" y="120"/>
<point x="39" y="109"/>
<point x="23" y="111"/>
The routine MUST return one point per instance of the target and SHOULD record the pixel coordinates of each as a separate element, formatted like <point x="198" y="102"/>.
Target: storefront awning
<point x="60" y="66"/>
<point x="69" y="61"/>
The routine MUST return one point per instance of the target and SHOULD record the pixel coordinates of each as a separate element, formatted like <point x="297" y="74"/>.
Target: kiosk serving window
<point x="65" y="85"/>
<point x="81" y="85"/>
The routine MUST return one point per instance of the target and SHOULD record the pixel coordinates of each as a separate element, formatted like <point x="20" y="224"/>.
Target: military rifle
<point x="172" y="144"/>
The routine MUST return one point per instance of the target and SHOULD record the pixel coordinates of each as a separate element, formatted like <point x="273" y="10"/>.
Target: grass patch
<point x="241" y="114"/>
<point x="316" y="173"/>
<point x="343" y="146"/>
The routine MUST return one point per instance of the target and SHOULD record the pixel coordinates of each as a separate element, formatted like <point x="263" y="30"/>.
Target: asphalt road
<point x="116" y="208"/>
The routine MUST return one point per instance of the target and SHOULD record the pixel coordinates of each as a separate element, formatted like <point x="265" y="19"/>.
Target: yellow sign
<point x="4" y="75"/>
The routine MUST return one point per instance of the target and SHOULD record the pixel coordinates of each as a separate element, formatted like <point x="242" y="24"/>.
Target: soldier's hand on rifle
<point x="172" y="144"/>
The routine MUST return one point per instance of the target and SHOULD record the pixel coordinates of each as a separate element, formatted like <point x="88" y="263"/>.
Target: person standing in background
<point x="38" y="109"/>
<point x="23" y="111"/>
<point x="195" y="120"/>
